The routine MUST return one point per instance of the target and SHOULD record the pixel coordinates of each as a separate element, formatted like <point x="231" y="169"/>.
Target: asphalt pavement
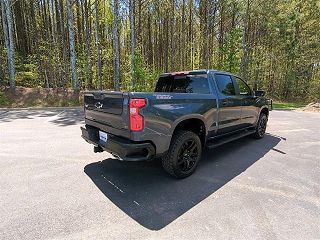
<point x="52" y="185"/>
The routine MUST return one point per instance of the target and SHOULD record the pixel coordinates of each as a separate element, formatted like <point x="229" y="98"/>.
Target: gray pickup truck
<point x="187" y="112"/>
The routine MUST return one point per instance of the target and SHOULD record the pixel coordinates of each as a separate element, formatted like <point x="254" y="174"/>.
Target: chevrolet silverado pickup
<point x="187" y="112"/>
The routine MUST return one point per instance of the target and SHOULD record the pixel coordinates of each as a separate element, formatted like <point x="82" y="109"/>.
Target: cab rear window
<point x="183" y="84"/>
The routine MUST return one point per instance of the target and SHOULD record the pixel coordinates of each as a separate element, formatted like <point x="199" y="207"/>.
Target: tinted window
<point x="183" y="84"/>
<point x="225" y="84"/>
<point x="243" y="87"/>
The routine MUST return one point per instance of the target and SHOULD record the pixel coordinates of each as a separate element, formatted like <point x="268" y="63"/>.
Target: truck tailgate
<point x="107" y="111"/>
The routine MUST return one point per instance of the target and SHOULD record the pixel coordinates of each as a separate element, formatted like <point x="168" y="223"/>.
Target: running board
<point x="221" y="141"/>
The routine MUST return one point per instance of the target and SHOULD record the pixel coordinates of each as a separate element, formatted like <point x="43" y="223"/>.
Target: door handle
<point x="224" y="102"/>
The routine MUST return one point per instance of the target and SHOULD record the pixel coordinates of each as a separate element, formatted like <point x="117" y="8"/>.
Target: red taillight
<point x="136" y="120"/>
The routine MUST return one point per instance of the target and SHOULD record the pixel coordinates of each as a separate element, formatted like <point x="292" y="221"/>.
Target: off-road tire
<point x="178" y="144"/>
<point x="261" y="126"/>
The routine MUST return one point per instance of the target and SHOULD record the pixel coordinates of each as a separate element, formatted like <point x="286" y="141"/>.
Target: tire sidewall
<point x="262" y="117"/>
<point x="187" y="136"/>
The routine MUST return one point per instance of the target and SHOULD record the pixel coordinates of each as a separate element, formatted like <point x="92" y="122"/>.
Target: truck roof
<point x="199" y="71"/>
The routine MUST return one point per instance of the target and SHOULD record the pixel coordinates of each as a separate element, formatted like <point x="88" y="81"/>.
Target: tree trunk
<point x="166" y="33"/>
<point x="139" y="24"/>
<point x="22" y="43"/>
<point x="87" y="14"/>
<point x="35" y="35"/>
<point x="75" y="81"/>
<point x="79" y="27"/>
<point x="151" y="45"/>
<point x="244" y="56"/>
<point x="133" y="39"/>
<point x="1" y="68"/>
<point x="62" y="43"/>
<point x="190" y="35"/>
<point x="203" y="12"/>
<point x="54" y="46"/>
<point x="98" y="46"/>
<point x="7" y="29"/>
<point x="116" y="50"/>
<point x="221" y="37"/>
<point x="183" y="39"/>
<point x="172" y="33"/>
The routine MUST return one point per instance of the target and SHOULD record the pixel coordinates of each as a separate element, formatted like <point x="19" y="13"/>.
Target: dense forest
<point x="125" y="44"/>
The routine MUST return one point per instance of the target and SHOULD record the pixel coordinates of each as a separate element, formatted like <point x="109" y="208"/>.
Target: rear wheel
<point x="261" y="126"/>
<point x="183" y="155"/>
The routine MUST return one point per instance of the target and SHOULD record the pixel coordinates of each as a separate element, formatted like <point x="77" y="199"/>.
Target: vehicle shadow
<point x="149" y="196"/>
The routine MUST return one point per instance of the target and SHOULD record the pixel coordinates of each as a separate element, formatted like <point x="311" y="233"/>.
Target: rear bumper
<point x="122" y="148"/>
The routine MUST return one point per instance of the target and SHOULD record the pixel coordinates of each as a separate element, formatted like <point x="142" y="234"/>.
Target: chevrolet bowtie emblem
<point x="98" y="105"/>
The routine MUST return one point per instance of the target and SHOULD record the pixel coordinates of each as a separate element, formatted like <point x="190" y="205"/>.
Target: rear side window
<point x="225" y="84"/>
<point x="183" y="84"/>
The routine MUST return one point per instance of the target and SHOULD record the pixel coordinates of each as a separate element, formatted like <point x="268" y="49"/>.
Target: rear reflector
<point x="136" y="119"/>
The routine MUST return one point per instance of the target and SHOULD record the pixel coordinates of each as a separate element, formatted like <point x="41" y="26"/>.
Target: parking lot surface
<point x="54" y="187"/>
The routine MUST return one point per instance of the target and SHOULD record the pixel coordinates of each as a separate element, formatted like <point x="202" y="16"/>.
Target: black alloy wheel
<point x="261" y="126"/>
<point x="188" y="155"/>
<point x="183" y="155"/>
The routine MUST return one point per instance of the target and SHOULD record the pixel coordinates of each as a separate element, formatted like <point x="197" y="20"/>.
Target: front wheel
<point x="261" y="126"/>
<point x="183" y="155"/>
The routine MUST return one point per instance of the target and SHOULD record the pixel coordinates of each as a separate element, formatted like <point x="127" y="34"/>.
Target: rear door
<point x="229" y="112"/>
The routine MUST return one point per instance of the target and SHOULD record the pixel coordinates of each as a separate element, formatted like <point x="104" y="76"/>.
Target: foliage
<point x="27" y="74"/>
<point x="145" y="77"/>
<point x="4" y="100"/>
<point x="232" y="50"/>
<point x="287" y="105"/>
<point x="274" y="45"/>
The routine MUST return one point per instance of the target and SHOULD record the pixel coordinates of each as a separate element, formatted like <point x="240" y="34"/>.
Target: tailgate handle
<point x="98" y="96"/>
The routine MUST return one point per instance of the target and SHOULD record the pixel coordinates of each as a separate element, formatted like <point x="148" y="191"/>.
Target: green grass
<point x="4" y="100"/>
<point x="287" y="105"/>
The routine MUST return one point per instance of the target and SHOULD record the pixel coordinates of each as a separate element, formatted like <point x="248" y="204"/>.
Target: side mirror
<point x="259" y="93"/>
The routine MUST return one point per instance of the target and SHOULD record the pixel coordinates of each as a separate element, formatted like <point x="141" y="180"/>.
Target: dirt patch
<point x="40" y="97"/>
<point x="311" y="107"/>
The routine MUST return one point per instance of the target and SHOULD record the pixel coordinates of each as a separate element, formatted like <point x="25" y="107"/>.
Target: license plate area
<point x="103" y="136"/>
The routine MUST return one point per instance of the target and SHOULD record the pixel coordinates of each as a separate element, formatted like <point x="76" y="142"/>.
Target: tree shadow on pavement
<point x="148" y="195"/>
<point x="59" y="117"/>
<point x="11" y="115"/>
<point x="68" y="117"/>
